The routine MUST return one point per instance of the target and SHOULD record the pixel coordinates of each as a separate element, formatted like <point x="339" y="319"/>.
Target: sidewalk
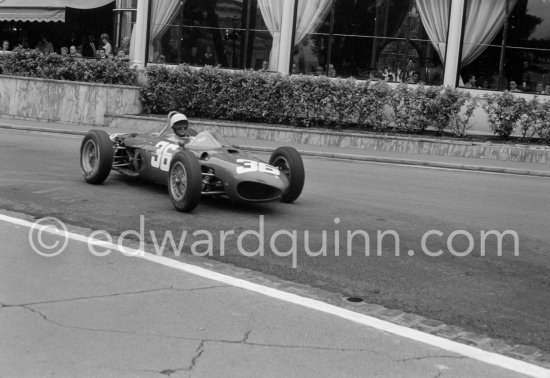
<point x="356" y="154"/>
<point x="80" y="315"/>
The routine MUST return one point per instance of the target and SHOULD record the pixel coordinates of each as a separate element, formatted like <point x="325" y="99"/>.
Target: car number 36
<point x="163" y="156"/>
<point x="256" y="166"/>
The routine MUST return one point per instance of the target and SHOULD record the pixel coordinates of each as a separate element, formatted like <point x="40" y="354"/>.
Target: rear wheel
<point x="290" y="163"/>
<point x="96" y="156"/>
<point x="185" y="181"/>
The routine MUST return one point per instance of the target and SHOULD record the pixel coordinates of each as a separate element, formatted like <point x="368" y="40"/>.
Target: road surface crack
<point x="198" y="353"/>
<point x="245" y="338"/>
<point x="108" y="295"/>
<point x="200" y="349"/>
<point x="426" y="357"/>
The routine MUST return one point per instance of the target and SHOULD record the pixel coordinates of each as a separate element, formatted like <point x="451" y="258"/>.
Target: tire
<point x="185" y="181"/>
<point x="96" y="156"/>
<point x="290" y="163"/>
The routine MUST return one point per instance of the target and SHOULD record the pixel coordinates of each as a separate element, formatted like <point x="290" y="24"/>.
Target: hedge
<point x="296" y="100"/>
<point x="33" y="63"/>
<point x="304" y="101"/>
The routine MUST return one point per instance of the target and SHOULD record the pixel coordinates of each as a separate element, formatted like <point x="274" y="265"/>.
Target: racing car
<point x="192" y="164"/>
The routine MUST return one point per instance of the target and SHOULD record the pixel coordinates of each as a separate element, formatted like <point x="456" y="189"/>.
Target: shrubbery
<point x="32" y="63"/>
<point x="297" y="100"/>
<point x="303" y="100"/>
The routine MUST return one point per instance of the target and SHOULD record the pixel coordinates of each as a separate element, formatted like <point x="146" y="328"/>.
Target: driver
<point x="179" y="123"/>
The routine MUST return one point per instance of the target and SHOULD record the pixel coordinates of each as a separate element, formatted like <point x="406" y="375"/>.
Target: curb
<point x="330" y="155"/>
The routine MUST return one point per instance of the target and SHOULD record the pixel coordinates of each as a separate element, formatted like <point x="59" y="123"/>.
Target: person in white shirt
<point x="106" y="44"/>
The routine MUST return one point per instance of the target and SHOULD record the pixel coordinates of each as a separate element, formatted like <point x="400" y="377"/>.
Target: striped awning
<point x="32" y="14"/>
<point x="43" y="10"/>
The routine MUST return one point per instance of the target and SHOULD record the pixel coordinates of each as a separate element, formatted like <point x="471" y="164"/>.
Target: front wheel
<point x="185" y="181"/>
<point x="289" y="162"/>
<point x="96" y="156"/>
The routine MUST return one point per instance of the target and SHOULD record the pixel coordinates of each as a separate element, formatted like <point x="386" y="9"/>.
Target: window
<point x="230" y="33"/>
<point x="510" y="49"/>
<point x="396" y="40"/>
<point x="125" y="19"/>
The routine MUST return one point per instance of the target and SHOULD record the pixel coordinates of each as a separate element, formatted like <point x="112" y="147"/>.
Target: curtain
<point x="435" y="18"/>
<point x="163" y="13"/>
<point x="484" y="19"/>
<point x="272" y="13"/>
<point x="310" y="14"/>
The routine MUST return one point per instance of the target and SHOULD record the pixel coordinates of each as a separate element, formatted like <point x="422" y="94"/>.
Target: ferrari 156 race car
<point x="192" y="165"/>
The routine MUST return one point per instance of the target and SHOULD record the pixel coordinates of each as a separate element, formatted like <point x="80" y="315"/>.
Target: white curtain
<point x="435" y="18"/>
<point x="484" y="19"/>
<point x="310" y="14"/>
<point x="272" y="13"/>
<point x="163" y="13"/>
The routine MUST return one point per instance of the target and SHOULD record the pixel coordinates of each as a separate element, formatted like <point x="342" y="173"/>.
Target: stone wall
<point x="65" y="101"/>
<point x="405" y="144"/>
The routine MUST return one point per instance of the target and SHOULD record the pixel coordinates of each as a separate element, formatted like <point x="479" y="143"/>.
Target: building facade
<point x="481" y="44"/>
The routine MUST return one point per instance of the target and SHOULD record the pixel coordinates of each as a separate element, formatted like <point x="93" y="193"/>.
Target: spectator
<point x="120" y="53"/>
<point x="88" y="47"/>
<point x="5" y="46"/>
<point x="194" y="58"/>
<point x="45" y="45"/>
<point x="547" y="89"/>
<point x="64" y="51"/>
<point x="23" y="43"/>
<point x="71" y="40"/>
<point x="514" y="86"/>
<point x="414" y="78"/>
<point x="471" y="82"/>
<point x="320" y="70"/>
<point x="101" y="53"/>
<point x="106" y="44"/>
<point x="539" y="88"/>
<point x="125" y="45"/>
<point x="331" y="71"/>
<point x="431" y="73"/>
<point x="74" y="52"/>
<point x="208" y="58"/>
<point x="295" y="69"/>
<point x="265" y="65"/>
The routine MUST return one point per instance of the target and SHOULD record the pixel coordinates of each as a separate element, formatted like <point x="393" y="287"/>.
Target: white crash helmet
<point x="176" y="117"/>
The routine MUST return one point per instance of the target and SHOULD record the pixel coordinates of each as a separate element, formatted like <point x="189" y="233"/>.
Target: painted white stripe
<point x="369" y="321"/>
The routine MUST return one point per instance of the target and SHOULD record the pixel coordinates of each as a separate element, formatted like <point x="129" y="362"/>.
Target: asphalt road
<point x="503" y="296"/>
<point x="131" y="317"/>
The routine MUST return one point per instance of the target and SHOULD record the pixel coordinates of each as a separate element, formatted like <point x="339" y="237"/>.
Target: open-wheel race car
<point x="192" y="164"/>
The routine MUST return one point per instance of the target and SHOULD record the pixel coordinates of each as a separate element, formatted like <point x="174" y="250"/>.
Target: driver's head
<point x="179" y="120"/>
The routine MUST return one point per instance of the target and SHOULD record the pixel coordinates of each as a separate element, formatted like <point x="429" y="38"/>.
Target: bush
<point x="308" y="101"/>
<point x="504" y="112"/>
<point x="418" y="108"/>
<point x="535" y="120"/>
<point x="258" y="96"/>
<point x="33" y="63"/>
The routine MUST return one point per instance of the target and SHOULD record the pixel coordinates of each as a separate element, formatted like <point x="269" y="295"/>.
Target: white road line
<point x="382" y="325"/>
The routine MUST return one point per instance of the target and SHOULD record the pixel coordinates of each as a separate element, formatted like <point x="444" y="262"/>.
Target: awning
<point x="43" y="10"/>
<point x="32" y="14"/>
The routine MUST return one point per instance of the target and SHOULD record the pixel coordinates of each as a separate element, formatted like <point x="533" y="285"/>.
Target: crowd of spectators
<point x="524" y="78"/>
<point x="85" y="47"/>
